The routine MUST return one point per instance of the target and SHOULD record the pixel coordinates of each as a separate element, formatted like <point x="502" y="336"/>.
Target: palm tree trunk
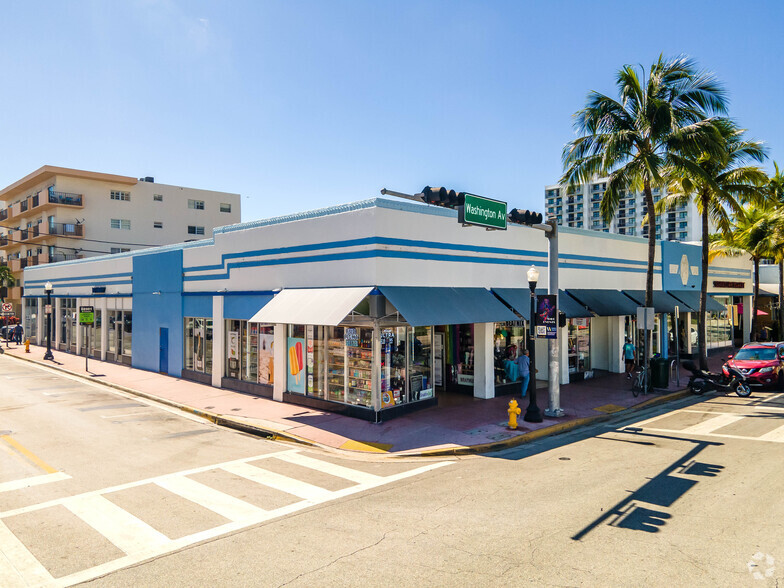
<point x="781" y="299"/>
<point x="754" y="307"/>
<point x="651" y="257"/>
<point x="702" y="348"/>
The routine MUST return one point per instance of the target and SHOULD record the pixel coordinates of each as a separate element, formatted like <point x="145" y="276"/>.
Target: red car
<point x="761" y="363"/>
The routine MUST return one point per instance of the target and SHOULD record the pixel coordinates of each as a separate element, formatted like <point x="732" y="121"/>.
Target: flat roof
<point x="49" y="171"/>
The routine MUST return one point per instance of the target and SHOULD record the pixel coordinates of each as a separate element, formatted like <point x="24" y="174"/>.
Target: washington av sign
<point x="481" y="211"/>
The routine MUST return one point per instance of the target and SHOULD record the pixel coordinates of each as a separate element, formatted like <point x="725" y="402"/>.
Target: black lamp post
<point x="532" y="413"/>
<point x="48" y="289"/>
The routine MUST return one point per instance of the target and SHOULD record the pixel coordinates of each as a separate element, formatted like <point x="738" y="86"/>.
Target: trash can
<point x="660" y="375"/>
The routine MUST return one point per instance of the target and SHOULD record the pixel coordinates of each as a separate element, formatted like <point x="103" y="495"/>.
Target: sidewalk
<point x="458" y="425"/>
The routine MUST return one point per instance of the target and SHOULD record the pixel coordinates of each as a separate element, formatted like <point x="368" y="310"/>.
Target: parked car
<point x="761" y="363"/>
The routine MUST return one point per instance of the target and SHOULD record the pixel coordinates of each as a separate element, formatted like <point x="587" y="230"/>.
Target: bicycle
<point x="639" y="377"/>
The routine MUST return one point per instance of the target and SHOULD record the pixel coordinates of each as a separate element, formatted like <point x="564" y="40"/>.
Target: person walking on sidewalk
<point x="18" y="333"/>
<point x="524" y="370"/>
<point x="629" y="356"/>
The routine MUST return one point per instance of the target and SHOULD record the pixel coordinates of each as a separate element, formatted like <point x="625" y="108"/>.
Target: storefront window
<point x="31" y="319"/>
<point x="95" y="333"/>
<point x="127" y="333"/>
<point x="248" y="351"/>
<point x="509" y="341"/>
<point x="198" y="344"/>
<point x="420" y="385"/>
<point x="111" y="335"/>
<point x="579" y="345"/>
<point x="719" y="325"/>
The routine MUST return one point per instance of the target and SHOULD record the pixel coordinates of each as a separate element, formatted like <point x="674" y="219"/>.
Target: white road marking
<point x="329" y="468"/>
<point x="710" y="425"/>
<point x="106" y="517"/>
<point x="278" y="482"/>
<point x="225" y="505"/>
<point x="33" y="481"/>
<point x="774" y="435"/>
<point x="18" y="567"/>
<point x="119" y="526"/>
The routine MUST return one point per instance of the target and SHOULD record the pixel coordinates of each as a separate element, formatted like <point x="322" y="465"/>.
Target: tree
<point x="776" y="193"/>
<point x="758" y="231"/>
<point x="659" y="121"/>
<point x="717" y="183"/>
<point x="6" y="277"/>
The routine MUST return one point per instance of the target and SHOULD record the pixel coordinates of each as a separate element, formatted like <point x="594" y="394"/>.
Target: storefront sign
<point x="266" y="359"/>
<point x="465" y="379"/>
<point x="310" y="358"/>
<point x="724" y="284"/>
<point x="485" y="212"/>
<point x="296" y="373"/>
<point x="546" y="317"/>
<point x="86" y="315"/>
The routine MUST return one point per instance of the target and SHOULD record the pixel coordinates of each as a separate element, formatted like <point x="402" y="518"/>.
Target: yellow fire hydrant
<point x="513" y="411"/>
<point x="27" y="345"/>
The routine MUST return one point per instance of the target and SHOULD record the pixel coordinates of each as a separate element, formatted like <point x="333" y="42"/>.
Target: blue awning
<point x="520" y="300"/>
<point x="662" y="302"/>
<point x="692" y="298"/>
<point x="605" y="302"/>
<point x="423" y="306"/>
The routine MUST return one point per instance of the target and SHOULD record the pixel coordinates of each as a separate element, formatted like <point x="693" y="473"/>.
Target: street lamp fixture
<point x="532" y="413"/>
<point x="48" y="289"/>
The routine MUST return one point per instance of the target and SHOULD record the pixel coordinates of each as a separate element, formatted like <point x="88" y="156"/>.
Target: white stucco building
<point x="376" y="307"/>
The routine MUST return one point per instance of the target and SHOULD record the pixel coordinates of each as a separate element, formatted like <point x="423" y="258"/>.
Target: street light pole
<point x="48" y="290"/>
<point x="532" y="413"/>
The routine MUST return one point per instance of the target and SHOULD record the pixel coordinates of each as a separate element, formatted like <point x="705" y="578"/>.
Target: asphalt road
<point x="105" y="489"/>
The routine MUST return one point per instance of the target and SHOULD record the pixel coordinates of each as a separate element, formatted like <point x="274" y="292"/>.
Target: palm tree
<point x="717" y="183"/>
<point x="776" y="193"/>
<point x="757" y="231"/>
<point x="6" y="278"/>
<point x="658" y="121"/>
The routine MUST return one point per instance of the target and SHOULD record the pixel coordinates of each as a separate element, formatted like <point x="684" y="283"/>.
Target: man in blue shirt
<point x="524" y="369"/>
<point x="628" y="356"/>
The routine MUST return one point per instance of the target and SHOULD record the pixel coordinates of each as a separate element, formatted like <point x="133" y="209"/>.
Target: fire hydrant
<point x="27" y="345"/>
<point x="513" y="411"/>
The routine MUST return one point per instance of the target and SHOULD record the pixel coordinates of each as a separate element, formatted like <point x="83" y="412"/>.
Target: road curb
<point x="550" y="431"/>
<point x="277" y="435"/>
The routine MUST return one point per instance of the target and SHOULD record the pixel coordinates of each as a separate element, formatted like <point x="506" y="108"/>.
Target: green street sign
<point x="481" y="211"/>
<point x="86" y="315"/>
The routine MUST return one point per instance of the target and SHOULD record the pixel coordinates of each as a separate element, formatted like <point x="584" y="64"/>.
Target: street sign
<point x="645" y="317"/>
<point x="86" y="315"/>
<point x="481" y="211"/>
<point x="8" y="307"/>
<point x="546" y="320"/>
<point x="7" y="314"/>
<point x="47" y="308"/>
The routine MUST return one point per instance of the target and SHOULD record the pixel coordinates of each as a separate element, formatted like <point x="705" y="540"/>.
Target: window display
<point x="579" y="345"/>
<point x="198" y="344"/>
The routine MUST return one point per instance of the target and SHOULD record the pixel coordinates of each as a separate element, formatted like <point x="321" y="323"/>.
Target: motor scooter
<point x="702" y="381"/>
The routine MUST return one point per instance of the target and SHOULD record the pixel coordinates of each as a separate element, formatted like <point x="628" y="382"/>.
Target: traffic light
<point x="525" y="217"/>
<point x="442" y="197"/>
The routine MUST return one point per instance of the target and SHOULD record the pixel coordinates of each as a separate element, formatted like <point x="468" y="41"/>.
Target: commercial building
<point x="57" y="214"/>
<point x="376" y="307"/>
<point x="578" y="207"/>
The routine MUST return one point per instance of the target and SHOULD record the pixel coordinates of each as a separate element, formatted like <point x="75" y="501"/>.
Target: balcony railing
<point x="65" y="198"/>
<point x="68" y="229"/>
<point x="3" y="214"/>
<point x="3" y="241"/>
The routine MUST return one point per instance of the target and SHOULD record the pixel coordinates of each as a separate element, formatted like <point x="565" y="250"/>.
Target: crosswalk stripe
<point x="713" y="424"/>
<point x="33" y="481"/>
<point x="277" y="481"/>
<point x="225" y="505"/>
<point x="18" y="567"/>
<point x="119" y="526"/>
<point x="774" y="435"/>
<point x="329" y="468"/>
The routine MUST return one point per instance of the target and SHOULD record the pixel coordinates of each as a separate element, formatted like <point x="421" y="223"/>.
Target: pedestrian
<point x="510" y="367"/>
<point x="629" y="356"/>
<point x="524" y="370"/>
<point x="18" y="331"/>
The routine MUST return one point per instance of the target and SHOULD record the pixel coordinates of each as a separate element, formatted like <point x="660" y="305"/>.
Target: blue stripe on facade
<point x="199" y="306"/>
<point x="63" y="280"/>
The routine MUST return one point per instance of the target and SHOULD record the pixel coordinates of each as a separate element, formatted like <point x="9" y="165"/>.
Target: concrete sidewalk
<point x="458" y="425"/>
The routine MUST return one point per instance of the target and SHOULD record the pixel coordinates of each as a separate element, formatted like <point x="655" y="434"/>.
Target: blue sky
<point x="303" y="104"/>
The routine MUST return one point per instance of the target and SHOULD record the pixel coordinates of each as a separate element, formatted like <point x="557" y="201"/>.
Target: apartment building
<point x="579" y="207"/>
<point x="58" y="214"/>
